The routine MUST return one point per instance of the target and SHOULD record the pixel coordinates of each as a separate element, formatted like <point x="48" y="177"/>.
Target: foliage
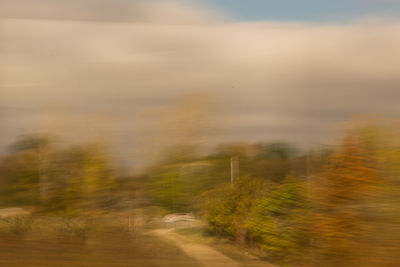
<point x="75" y="178"/>
<point x="324" y="208"/>
<point x="228" y="206"/>
<point x="278" y="223"/>
<point x="20" y="177"/>
<point x="252" y="212"/>
<point x="340" y="193"/>
<point x="175" y="186"/>
<point x="37" y="173"/>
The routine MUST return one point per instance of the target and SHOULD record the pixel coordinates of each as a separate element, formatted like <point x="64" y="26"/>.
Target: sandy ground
<point x="205" y="255"/>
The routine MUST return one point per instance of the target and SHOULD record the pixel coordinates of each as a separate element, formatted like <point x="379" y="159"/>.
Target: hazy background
<point x="215" y="132"/>
<point x="120" y="71"/>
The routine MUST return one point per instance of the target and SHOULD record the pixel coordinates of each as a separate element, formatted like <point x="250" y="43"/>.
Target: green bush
<point x="274" y="221"/>
<point x="278" y="223"/>
<point x="227" y="207"/>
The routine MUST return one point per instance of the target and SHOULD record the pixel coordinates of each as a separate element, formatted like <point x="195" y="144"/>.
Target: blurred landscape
<point x="321" y="207"/>
<point x="199" y="133"/>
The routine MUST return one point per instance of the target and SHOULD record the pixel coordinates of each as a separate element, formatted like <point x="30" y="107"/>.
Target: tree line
<point x="326" y="206"/>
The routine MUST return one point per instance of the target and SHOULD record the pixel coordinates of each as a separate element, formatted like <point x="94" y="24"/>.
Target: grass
<point x="106" y="250"/>
<point x="16" y="225"/>
<point x="83" y="241"/>
<point x="51" y="226"/>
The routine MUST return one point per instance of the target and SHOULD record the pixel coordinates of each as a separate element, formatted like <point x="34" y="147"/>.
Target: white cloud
<point x="143" y="11"/>
<point x="273" y="79"/>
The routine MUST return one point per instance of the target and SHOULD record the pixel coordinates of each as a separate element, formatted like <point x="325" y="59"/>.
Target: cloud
<point x="273" y="80"/>
<point x="144" y="11"/>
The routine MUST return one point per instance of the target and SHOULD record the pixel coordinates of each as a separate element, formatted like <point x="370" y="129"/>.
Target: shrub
<point x="16" y="225"/>
<point x="228" y="207"/>
<point x="278" y="223"/>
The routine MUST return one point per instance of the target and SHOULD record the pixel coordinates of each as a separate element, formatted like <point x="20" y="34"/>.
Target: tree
<point x="21" y="171"/>
<point x="228" y="208"/>
<point x="77" y="177"/>
<point x="338" y="195"/>
<point x="278" y="223"/>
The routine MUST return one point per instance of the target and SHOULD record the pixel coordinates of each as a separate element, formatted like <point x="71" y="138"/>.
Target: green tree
<point x="227" y="208"/>
<point x="278" y="223"/>
<point x="21" y="171"/>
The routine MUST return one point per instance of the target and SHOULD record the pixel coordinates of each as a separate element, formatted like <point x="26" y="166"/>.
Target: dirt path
<point x="204" y="254"/>
<point x="8" y="212"/>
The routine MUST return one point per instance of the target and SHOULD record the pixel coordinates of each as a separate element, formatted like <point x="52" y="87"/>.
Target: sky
<point x="307" y="10"/>
<point x="240" y="10"/>
<point x="147" y="74"/>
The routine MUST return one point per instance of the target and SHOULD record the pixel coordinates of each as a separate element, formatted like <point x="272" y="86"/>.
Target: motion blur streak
<point x="267" y="142"/>
<point x="272" y="80"/>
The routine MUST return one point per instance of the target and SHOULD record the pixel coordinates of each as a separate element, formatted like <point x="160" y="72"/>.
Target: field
<point x="108" y="250"/>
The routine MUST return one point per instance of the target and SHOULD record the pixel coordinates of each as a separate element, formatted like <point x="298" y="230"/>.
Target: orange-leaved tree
<point x="338" y="196"/>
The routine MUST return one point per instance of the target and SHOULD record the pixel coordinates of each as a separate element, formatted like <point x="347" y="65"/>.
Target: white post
<point x="234" y="169"/>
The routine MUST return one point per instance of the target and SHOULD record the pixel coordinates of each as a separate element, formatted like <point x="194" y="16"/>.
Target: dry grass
<point x="98" y="241"/>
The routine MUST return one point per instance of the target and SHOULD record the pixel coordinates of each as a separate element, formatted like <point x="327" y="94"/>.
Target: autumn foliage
<point x="339" y="195"/>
